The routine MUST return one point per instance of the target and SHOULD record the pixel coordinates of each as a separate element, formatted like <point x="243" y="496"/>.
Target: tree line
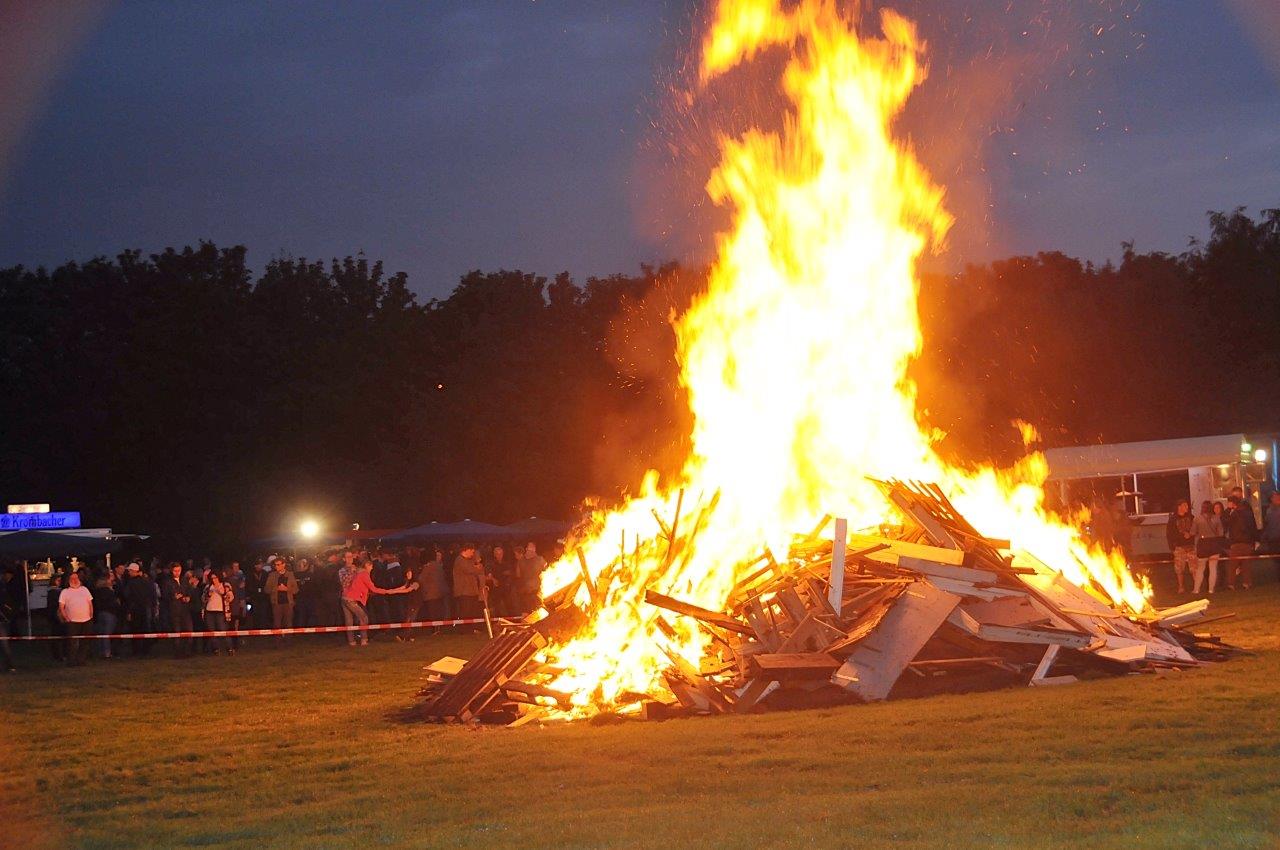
<point x="182" y="394"/>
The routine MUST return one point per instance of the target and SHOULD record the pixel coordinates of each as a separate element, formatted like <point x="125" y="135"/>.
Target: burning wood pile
<point x="932" y="605"/>
<point x="795" y="365"/>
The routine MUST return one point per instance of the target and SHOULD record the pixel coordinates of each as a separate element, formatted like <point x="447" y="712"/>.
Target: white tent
<point x="1150" y="456"/>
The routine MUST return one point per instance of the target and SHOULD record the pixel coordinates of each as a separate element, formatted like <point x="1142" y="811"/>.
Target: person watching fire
<point x="1181" y="535"/>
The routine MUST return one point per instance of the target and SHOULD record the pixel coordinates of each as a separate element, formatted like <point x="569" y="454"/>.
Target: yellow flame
<point x="795" y="359"/>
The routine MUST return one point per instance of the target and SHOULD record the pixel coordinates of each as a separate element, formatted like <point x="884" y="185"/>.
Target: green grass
<point x="297" y="747"/>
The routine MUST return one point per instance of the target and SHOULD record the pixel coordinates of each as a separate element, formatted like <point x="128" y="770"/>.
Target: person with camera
<point x="217" y="611"/>
<point x="175" y="607"/>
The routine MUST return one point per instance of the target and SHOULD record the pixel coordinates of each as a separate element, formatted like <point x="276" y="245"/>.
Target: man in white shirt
<point x="75" y="608"/>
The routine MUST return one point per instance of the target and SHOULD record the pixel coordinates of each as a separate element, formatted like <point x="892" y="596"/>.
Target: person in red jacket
<point x="354" y="598"/>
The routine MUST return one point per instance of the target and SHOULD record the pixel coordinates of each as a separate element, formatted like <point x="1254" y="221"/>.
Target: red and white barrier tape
<point x="309" y="630"/>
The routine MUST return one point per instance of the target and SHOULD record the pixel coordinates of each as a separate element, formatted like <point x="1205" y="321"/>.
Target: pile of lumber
<point x="932" y="605"/>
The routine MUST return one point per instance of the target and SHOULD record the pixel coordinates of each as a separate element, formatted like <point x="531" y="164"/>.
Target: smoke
<point x="1260" y="24"/>
<point x="1006" y="83"/>
<point x="38" y="40"/>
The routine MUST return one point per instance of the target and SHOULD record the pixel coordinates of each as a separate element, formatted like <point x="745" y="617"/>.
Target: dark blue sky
<point x="446" y="136"/>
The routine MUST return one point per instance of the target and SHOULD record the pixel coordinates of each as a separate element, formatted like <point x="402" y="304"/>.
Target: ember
<point x="795" y="363"/>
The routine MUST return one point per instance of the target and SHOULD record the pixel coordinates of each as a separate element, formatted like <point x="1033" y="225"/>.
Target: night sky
<point x="448" y="136"/>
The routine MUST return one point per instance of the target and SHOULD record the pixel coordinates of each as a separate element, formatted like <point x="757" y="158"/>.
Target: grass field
<point x="297" y="747"/>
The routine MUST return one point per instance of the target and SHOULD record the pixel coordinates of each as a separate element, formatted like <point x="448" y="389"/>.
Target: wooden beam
<point x="880" y="658"/>
<point x="835" y="589"/>
<point x="947" y="571"/>
<point x="892" y="550"/>
<point x="788" y="666"/>
<point x="714" y="618"/>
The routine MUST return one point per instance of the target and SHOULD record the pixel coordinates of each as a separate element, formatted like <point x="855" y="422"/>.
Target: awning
<point x="43" y="544"/>
<point x="1150" y="456"/>
<point x="466" y="530"/>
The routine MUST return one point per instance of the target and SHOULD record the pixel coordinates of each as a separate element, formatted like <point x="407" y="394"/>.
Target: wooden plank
<point x="881" y="657"/>
<point x="963" y="620"/>
<point x="839" y="537"/>
<point x="1061" y="594"/>
<point x="1189" y="612"/>
<point x="1046" y="661"/>
<point x="1128" y="654"/>
<point x="811" y="635"/>
<point x="755" y="691"/>
<point x="446" y="666"/>
<point x="715" y="618"/>
<point x="531" y="714"/>
<point x="792" y="604"/>
<point x="790" y="666"/>
<point x="1022" y="634"/>
<point x="932" y="527"/>
<point x="762" y="625"/>
<point x="531" y="690"/>
<point x="894" y="549"/>
<point x="970" y="591"/>
<point x="947" y="571"/>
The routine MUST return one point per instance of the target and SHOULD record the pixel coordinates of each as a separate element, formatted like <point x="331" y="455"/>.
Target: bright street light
<point x="1260" y="456"/>
<point x="310" y="529"/>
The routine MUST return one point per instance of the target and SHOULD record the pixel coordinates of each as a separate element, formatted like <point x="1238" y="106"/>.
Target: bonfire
<point x="731" y="587"/>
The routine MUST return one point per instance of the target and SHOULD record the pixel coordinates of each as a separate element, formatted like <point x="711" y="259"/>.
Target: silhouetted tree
<point x="180" y="394"/>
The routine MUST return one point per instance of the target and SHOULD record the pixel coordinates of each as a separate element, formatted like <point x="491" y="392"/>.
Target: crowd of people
<point x="1200" y="541"/>
<point x="352" y="587"/>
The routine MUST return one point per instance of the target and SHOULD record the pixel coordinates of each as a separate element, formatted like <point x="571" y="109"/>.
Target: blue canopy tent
<point x="466" y="530"/>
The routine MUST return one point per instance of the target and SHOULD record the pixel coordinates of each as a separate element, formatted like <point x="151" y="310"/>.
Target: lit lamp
<point x="1260" y="456"/>
<point x="309" y="529"/>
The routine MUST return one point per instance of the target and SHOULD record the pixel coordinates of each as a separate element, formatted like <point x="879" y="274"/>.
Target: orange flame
<point x="795" y="359"/>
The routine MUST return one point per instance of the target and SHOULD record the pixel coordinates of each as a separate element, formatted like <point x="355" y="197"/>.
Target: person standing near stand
<point x="175" y="605"/>
<point x="217" y="606"/>
<point x="259" y="605"/>
<point x="139" y="598"/>
<point x="1209" y="543"/>
<point x="469" y="584"/>
<point x="1242" y="539"/>
<point x="1181" y="536"/>
<point x="529" y="570"/>
<point x="106" y="611"/>
<point x="305" y="611"/>
<point x="435" y="587"/>
<point x="235" y="579"/>
<point x="57" y="628"/>
<point x="75" y="609"/>
<point x="282" y="589"/>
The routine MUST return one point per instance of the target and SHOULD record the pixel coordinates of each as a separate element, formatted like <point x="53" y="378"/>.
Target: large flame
<point x="795" y="359"/>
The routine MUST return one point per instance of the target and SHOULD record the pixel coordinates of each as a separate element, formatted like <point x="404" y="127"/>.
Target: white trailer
<point x="1152" y="476"/>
